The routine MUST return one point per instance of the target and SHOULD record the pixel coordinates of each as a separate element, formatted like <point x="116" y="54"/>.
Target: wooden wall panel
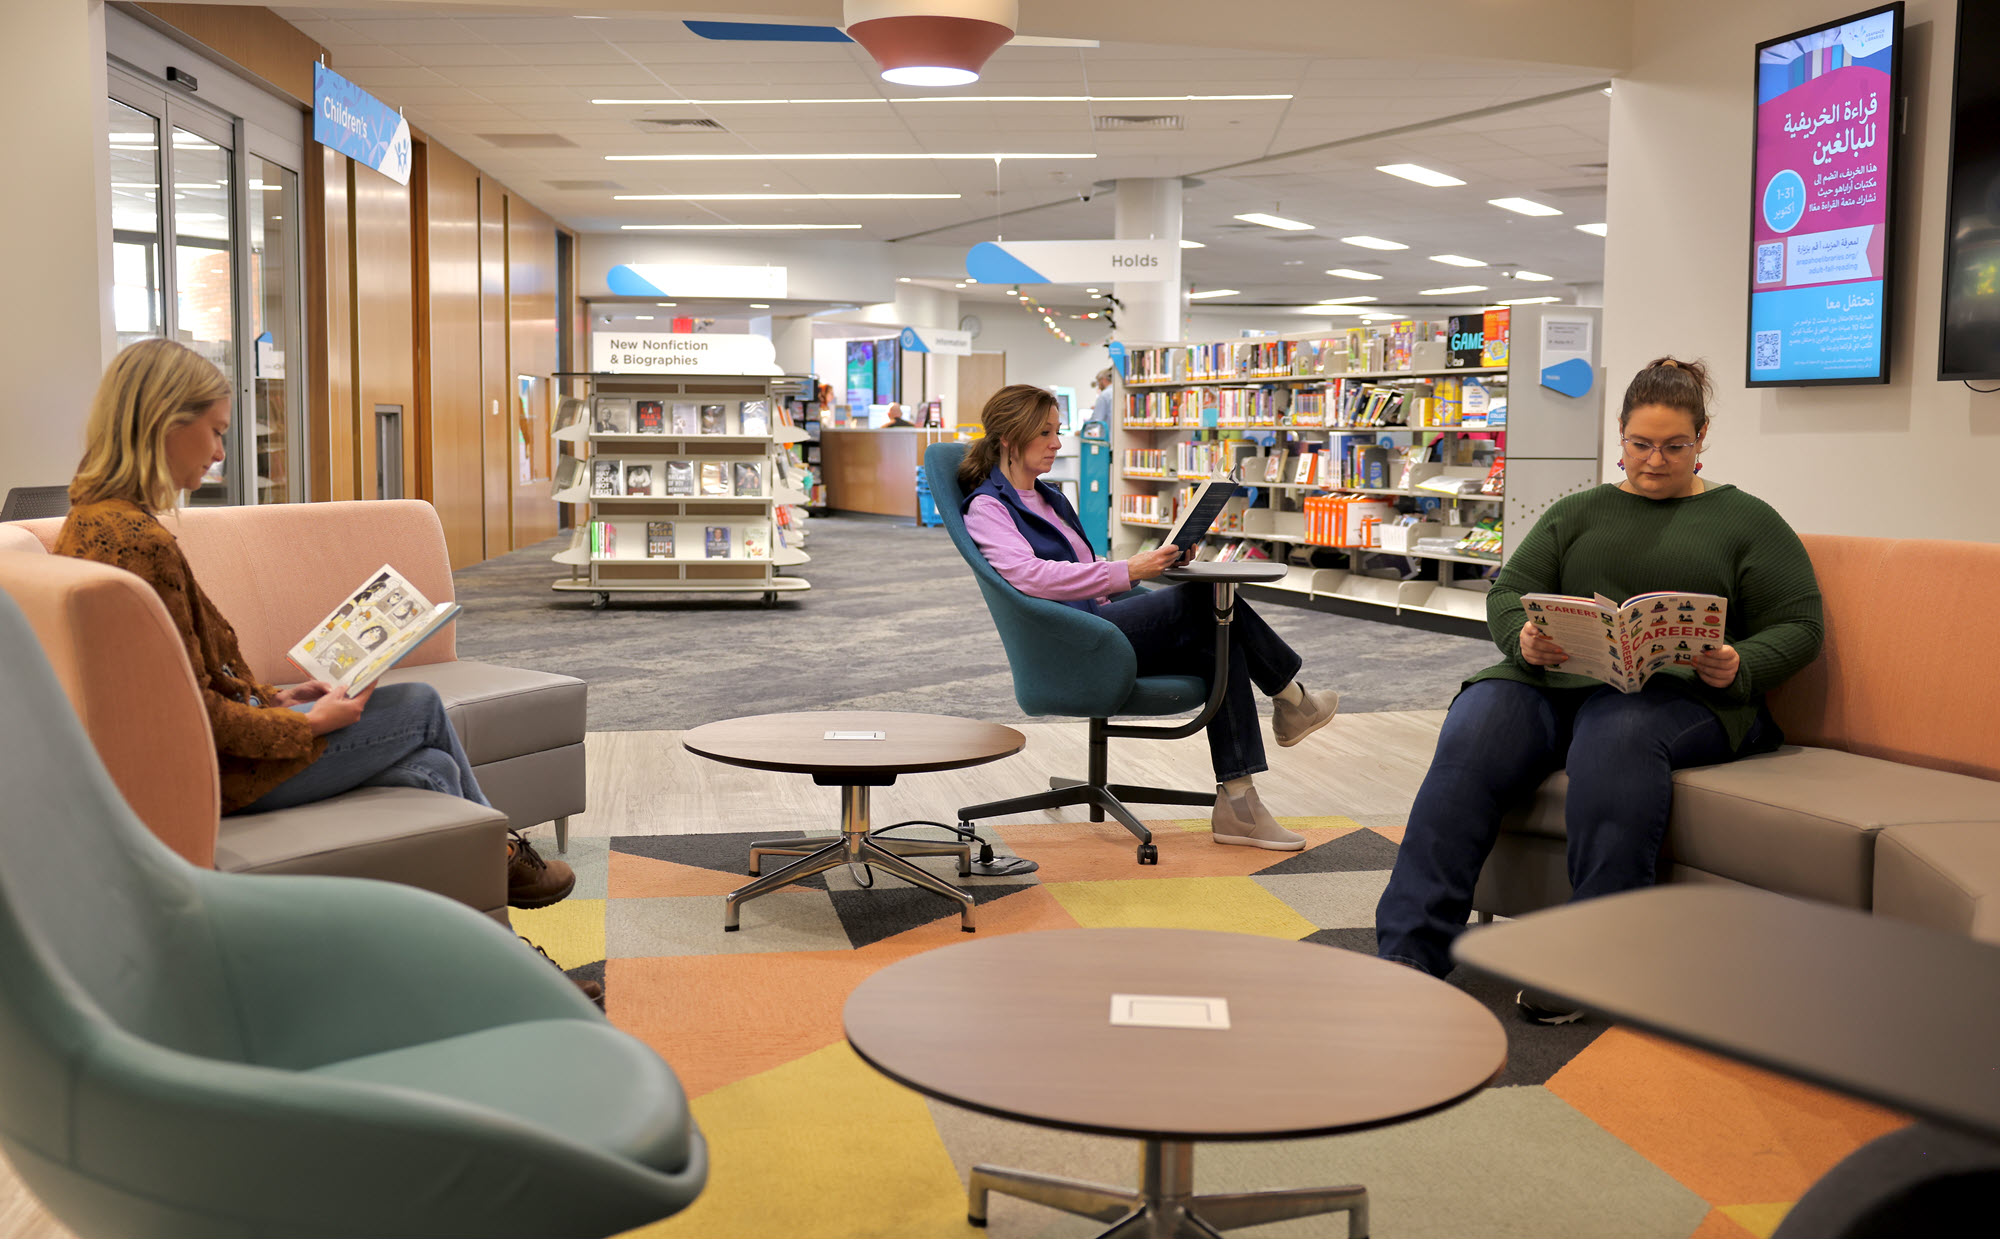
<point x="496" y="452"/>
<point x="336" y="465"/>
<point x="257" y="40"/>
<point x="979" y="376"/>
<point x="384" y="321"/>
<point x="449" y="388"/>
<point x="531" y="351"/>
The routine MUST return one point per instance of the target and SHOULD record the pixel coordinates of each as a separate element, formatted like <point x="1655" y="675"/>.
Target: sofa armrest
<point x="1945" y="875"/>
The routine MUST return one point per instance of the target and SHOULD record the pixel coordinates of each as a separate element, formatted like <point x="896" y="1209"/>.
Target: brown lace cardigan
<point x="256" y="747"/>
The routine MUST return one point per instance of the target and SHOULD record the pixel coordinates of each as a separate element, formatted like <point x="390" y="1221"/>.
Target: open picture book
<point x="372" y="630"/>
<point x="1623" y="644"/>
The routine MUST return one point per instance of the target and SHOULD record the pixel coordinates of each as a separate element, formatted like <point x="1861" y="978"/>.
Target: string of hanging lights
<point x="1049" y="317"/>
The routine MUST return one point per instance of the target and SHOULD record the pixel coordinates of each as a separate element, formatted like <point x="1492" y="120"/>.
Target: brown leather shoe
<point x="592" y="991"/>
<point x="533" y="881"/>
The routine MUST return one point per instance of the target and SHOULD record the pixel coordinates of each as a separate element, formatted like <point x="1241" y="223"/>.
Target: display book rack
<point x="680" y="494"/>
<point x="1223" y="405"/>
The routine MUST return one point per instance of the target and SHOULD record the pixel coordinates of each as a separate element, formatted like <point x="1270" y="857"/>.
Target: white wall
<point x="1912" y="458"/>
<point x="55" y="319"/>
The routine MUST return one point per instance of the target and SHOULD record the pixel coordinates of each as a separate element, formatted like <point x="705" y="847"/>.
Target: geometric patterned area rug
<point x="1592" y="1130"/>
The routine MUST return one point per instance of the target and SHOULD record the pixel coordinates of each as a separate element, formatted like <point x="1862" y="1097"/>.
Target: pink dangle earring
<point x="1621" y="464"/>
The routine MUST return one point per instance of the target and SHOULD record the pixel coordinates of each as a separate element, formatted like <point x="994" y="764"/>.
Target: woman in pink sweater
<point x="1032" y="537"/>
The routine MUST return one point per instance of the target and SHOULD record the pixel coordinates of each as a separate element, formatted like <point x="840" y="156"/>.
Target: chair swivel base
<point x="852" y="846"/>
<point x="1103" y="799"/>
<point x="1165" y="1203"/>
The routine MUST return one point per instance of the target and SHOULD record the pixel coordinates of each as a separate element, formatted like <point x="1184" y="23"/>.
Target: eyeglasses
<point x="1643" y="449"/>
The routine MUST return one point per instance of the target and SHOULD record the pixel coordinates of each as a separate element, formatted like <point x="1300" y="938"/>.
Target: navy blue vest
<point x="1044" y="539"/>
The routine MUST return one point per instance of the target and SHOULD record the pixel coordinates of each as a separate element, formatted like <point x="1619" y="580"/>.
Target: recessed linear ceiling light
<point x="1420" y="174"/>
<point x="1453" y="290"/>
<point x="716" y="103"/>
<point x="760" y="305"/>
<point x="902" y="279"/>
<point x="1529" y="301"/>
<point x="1531" y="276"/>
<point x="1193" y="245"/>
<point x="732" y="227"/>
<point x="666" y="305"/>
<point x="1374" y="243"/>
<point x="1345" y="301"/>
<point x="1275" y="221"/>
<point x="1214" y="292"/>
<point x="1522" y="206"/>
<point x="767" y="197"/>
<point x="1595" y="230"/>
<point x="1456" y="260"/>
<point x="851" y="155"/>
<point x="643" y="318"/>
<point x="1348" y="273"/>
<point x="1329" y="311"/>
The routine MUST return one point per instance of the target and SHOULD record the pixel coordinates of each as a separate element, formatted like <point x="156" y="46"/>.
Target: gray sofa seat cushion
<point x="504" y="712"/>
<point x="1945" y="875"/>
<point x="1800" y="821"/>
<point x="424" y="839"/>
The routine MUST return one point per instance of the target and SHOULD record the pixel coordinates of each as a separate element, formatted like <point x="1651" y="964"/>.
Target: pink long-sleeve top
<point x="993" y="528"/>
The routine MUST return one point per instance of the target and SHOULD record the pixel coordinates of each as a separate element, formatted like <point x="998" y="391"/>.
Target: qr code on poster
<point x="1770" y="262"/>
<point x="1764" y="350"/>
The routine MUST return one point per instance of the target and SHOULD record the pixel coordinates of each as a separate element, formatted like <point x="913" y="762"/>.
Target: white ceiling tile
<point x="411" y="31"/>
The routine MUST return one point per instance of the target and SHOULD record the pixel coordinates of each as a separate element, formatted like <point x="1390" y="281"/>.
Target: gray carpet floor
<point x="894" y="621"/>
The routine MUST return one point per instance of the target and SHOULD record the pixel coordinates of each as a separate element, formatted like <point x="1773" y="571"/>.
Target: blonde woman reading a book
<point x="1661" y="528"/>
<point x="1033" y="538"/>
<point x="159" y="422"/>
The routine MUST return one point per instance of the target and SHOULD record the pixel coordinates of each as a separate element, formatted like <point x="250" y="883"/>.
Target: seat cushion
<point x="503" y="712"/>
<point x="1165" y="695"/>
<point x="1800" y="821"/>
<point x="580" y="1079"/>
<point x="1945" y="875"/>
<point x="403" y="835"/>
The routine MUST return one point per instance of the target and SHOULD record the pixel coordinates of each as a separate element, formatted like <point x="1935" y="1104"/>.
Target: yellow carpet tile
<point x="1234" y="904"/>
<point x="822" y="1146"/>
<point x="572" y="933"/>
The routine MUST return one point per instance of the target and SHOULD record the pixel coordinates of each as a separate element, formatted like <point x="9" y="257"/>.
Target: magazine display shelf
<point x="632" y="571"/>
<point x="1551" y="444"/>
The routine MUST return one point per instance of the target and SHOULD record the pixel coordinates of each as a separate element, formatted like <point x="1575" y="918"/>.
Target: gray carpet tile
<point x="894" y="621"/>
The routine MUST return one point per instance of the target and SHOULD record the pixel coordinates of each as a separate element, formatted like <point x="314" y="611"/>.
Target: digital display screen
<point x="1969" y="344"/>
<point x="1823" y="185"/>
<point x="860" y="371"/>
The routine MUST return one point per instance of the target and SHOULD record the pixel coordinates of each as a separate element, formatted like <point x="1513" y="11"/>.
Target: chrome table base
<point x="1166" y="1204"/>
<point x="852" y="846"/>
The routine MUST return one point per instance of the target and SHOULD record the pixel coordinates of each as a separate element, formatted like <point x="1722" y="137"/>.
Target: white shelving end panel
<point x="577" y="554"/>
<point x="790" y="498"/>
<point x="790" y="434"/>
<point x="784" y="557"/>
<point x="575" y="432"/>
<point x="579" y="494"/>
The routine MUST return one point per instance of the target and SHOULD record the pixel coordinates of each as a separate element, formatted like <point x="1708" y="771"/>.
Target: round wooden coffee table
<point x="1318" y="1041"/>
<point x="853" y="751"/>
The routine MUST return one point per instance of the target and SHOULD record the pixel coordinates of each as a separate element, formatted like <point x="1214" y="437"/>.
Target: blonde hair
<point x="150" y="388"/>
<point x="1013" y="417"/>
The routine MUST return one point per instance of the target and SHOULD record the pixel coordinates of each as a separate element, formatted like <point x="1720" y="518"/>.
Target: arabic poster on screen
<point x="1825" y="114"/>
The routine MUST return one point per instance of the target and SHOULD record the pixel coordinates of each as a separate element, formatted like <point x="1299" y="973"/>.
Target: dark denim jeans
<point x="1499" y="741"/>
<point x="1173" y="632"/>
<point x="402" y="740"/>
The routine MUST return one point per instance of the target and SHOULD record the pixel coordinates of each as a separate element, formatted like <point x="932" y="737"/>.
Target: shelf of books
<point x="689" y="484"/>
<point x="1388" y="466"/>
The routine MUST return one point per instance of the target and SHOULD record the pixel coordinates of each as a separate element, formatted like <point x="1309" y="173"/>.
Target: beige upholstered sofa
<point x="1886" y="795"/>
<point x="274" y="572"/>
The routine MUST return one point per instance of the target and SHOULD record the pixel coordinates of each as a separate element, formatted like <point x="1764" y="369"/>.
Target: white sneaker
<point x="1292" y="724"/>
<point x="1244" y="820"/>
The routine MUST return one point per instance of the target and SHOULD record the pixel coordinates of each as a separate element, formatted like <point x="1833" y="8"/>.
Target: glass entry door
<point x="206" y="251"/>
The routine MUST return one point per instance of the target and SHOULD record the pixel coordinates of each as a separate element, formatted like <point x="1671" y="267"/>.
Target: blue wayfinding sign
<point x="1117" y="348"/>
<point x="358" y="125"/>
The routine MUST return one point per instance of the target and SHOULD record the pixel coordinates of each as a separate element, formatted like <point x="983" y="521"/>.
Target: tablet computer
<point x="1201" y="513"/>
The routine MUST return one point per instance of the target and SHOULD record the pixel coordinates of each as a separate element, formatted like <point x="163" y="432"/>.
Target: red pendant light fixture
<point x="931" y="42"/>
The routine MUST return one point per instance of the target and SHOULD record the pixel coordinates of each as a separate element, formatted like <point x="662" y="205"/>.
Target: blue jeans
<point x="1173" y="632"/>
<point x="402" y="740"/>
<point x="1499" y="741"/>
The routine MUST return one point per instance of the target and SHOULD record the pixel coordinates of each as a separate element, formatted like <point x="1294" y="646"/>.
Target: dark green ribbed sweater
<point x="1722" y="541"/>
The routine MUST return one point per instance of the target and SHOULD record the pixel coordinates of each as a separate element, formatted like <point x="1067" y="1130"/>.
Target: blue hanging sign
<point x="1117" y="348"/>
<point x="939" y="340"/>
<point x="348" y="119"/>
<point x="1072" y="262"/>
<point x="1571" y="378"/>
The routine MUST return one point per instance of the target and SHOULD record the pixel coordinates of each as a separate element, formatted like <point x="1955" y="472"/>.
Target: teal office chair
<point x="184" y="1052"/>
<point x="1069" y="662"/>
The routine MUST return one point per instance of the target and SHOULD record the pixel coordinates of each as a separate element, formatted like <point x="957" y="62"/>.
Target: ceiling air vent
<point x="1135" y="122"/>
<point x="525" y="141"/>
<point x="679" y="124"/>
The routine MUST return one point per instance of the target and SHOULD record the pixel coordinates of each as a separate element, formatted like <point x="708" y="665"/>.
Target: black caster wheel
<point x="770" y="598"/>
<point x="601" y="602"/>
<point x="1149" y="854"/>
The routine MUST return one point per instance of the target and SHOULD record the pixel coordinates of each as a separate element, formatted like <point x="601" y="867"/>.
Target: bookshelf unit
<point x="1175" y="428"/>
<point x="726" y="538"/>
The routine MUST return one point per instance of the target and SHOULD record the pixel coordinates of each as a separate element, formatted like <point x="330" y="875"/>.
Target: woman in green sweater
<point x="1661" y="528"/>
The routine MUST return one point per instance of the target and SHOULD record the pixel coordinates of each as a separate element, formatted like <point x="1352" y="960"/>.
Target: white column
<point x="792" y="339"/>
<point x="55" y="234"/>
<point x="1150" y="208"/>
